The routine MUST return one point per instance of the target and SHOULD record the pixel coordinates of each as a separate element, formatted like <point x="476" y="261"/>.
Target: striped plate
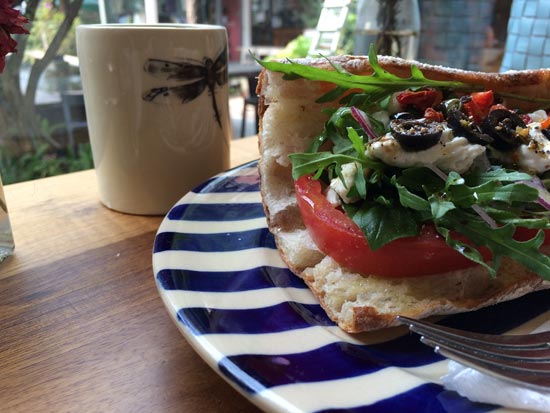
<point x="221" y="279"/>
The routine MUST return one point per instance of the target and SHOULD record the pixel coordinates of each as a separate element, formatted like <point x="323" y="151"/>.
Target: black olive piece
<point x="501" y="125"/>
<point x="462" y="126"/>
<point x="415" y="135"/>
<point x="403" y="115"/>
<point x="445" y="106"/>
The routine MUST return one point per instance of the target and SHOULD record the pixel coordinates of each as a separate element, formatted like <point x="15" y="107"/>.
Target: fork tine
<point x="461" y="341"/>
<point x="539" y="381"/>
<point x="528" y="342"/>
<point x="516" y="364"/>
<point x="521" y="359"/>
<point x="495" y="352"/>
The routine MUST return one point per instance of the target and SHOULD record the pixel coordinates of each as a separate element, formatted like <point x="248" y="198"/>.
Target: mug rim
<point x="150" y="26"/>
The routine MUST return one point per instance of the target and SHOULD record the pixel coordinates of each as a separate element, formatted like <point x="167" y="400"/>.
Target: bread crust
<point x="289" y="119"/>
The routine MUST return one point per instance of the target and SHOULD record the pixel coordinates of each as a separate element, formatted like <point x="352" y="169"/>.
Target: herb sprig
<point x="375" y="86"/>
<point x="379" y="84"/>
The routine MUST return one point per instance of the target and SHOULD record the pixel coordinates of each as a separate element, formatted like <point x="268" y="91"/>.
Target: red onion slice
<point x="438" y="172"/>
<point x="363" y="121"/>
<point x="544" y="195"/>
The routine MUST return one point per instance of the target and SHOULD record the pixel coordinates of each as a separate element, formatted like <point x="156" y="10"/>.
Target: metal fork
<point x="519" y="359"/>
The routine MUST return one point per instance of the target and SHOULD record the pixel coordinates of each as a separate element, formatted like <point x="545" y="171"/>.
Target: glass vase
<point x="6" y="237"/>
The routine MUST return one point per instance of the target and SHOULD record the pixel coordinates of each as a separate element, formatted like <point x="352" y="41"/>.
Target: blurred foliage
<point x="42" y="162"/>
<point x="47" y="21"/>
<point x="297" y="47"/>
<point x="51" y="25"/>
<point x="33" y="146"/>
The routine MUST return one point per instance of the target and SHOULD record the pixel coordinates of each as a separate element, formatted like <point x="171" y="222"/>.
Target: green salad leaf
<point x="374" y="87"/>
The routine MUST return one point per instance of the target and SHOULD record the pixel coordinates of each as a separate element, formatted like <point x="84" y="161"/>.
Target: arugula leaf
<point x="378" y="127"/>
<point x="410" y="200"/>
<point x="490" y="191"/>
<point x="517" y="192"/>
<point x="496" y="173"/>
<point x="360" y="184"/>
<point x="332" y="95"/>
<point x="440" y="206"/>
<point x="357" y="142"/>
<point x="336" y="130"/>
<point x="312" y="163"/>
<point x="376" y="86"/>
<point x="467" y="250"/>
<point x="502" y="244"/>
<point x="381" y="224"/>
<point x="516" y="216"/>
<point x="419" y="179"/>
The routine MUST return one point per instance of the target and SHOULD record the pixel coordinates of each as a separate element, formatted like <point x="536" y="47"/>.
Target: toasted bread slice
<point x="289" y="119"/>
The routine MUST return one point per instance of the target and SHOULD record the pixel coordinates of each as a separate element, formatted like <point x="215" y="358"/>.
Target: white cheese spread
<point x="342" y="188"/>
<point x="533" y="157"/>
<point x="450" y="154"/>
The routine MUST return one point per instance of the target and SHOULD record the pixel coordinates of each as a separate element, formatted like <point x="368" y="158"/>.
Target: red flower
<point x="11" y="22"/>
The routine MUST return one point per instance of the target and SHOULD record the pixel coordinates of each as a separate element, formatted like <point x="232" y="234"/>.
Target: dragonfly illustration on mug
<point x="196" y="75"/>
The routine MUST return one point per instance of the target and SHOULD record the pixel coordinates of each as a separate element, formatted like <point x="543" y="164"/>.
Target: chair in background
<point x="74" y="113"/>
<point x="251" y="99"/>
<point x="326" y="36"/>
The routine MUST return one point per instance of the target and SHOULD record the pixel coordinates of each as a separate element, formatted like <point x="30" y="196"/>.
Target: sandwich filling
<point x="415" y="177"/>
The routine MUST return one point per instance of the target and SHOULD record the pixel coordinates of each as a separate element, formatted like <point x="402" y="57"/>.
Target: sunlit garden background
<point x="42" y="134"/>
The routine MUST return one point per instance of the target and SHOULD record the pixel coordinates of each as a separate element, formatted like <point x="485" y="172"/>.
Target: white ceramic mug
<point x="156" y="100"/>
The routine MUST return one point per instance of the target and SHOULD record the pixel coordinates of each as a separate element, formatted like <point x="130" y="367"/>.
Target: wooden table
<point x="82" y="327"/>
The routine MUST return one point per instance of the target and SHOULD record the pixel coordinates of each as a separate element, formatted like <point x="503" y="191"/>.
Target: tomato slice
<point x="478" y="108"/>
<point x="420" y="100"/>
<point x="432" y="115"/>
<point x="336" y="235"/>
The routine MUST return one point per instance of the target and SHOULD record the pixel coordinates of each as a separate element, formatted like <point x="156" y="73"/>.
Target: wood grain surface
<point x="82" y="327"/>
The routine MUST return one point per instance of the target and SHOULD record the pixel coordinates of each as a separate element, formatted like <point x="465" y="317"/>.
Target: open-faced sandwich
<point x="399" y="188"/>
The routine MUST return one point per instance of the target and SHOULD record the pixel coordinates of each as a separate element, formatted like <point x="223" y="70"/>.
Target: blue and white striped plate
<point x="256" y="324"/>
